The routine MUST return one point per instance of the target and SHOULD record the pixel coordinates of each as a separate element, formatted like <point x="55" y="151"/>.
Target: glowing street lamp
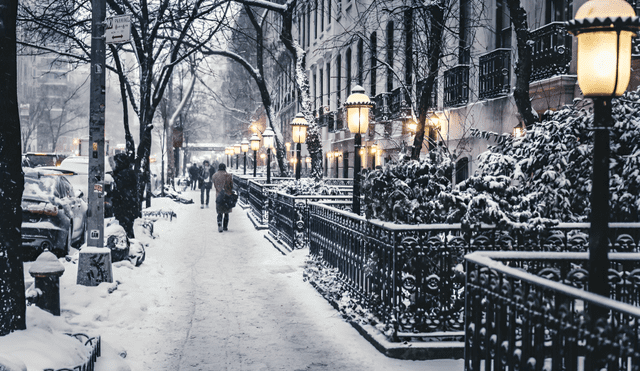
<point x="299" y="127"/>
<point x="357" y="106"/>
<point x="237" y="148"/>
<point x="374" y="153"/>
<point x="255" y="146"/>
<point x="268" y="138"/>
<point x="244" y="147"/>
<point x="604" y="29"/>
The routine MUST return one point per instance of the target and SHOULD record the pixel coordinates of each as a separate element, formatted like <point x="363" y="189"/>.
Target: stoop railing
<point x="95" y="351"/>
<point x="531" y="311"/>
<point x="412" y="277"/>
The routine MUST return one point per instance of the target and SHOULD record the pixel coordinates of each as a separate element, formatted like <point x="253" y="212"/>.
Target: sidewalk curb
<point x="416" y="351"/>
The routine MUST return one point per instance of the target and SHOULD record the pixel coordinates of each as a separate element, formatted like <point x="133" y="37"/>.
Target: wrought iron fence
<point x="94" y="353"/>
<point x="456" y="86"/>
<point x="400" y="102"/>
<point x="495" y="74"/>
<point x="412" y="276"/>
<point x="531" y="311"/>
<point x="241" y="185"/>
<point x="289" y="215"/>
<point x="551" y="54"/>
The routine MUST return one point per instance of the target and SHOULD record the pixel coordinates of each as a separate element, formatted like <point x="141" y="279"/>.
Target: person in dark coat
<point x="223" y="182"/>
<point x="123" y="193"/>
<point x="204" y="179"/>
<point x="193" y="174"/>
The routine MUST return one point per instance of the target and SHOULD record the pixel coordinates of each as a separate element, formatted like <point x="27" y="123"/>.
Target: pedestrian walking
<point x="223" y="182"/>
<point x="123" y="193"/>
<point x="204" y="179"/>
<point x="193" y="175"/>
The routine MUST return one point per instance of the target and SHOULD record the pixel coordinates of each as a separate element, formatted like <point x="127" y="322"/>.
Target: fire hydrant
<point x="46" y="271"/>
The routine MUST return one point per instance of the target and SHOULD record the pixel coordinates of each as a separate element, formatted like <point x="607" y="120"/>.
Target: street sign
<point x="118" y="29"/>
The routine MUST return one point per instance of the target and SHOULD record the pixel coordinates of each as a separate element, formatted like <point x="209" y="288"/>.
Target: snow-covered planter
<point x="308" y="187"/>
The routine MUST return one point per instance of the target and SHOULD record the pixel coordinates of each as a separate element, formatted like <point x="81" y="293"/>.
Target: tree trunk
<point x="12" y="290"/>
<point x="523" y="63"/>
<point x="437" y="14"/>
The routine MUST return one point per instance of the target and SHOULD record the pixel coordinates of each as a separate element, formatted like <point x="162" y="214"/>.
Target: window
<point x="339" y="80"/>
<point x="328" y="84"/>
<point x="373" y="63"/>
<point x="360" y="61"/>
<point x="390" y="56"/>
<point x="328" y="12"/>
<point x="559" y="10"/>
<point x="321" y="82"/>
<point x="462" y="170"/>
<point x="304" y="28"/>
<point x="315" y="19"/>
<point x="314" y="95"/>
<point x="463" y="33"/>
<point x="348" y="75"/>
<point x="321" y="15"/>
<point x="408" y="46"/>
<point x="503" y="25"/>
<point x="309" y="27"/>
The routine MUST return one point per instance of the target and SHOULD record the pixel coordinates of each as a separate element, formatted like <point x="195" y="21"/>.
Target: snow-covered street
<point x="204" y="300"/>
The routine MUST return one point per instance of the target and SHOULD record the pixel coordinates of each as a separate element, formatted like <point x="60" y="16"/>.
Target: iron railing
<point x="495" y="74"/>
<point x="433" y="100"/>
<point x="412" y="276"/>
<point x="94" y="353"/>
<point x="400" y="102"/>
<point x="456" y="86"/>
<point x="551" y="54"/>
<point x="289" y="215"/>
<point x="535" y="313"/>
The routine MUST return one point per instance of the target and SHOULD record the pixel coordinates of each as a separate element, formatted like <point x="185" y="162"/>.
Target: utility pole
<point x="92" y="274"/>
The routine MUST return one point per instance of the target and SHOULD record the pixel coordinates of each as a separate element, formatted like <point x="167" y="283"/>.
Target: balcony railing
<point x="456" y="86"/>
<point x="399" y="102"/>
<point x="495" y="74"/>
<point x="381" y="107"/>
<point x="533" y="312"/>
<point x="551" y="54"/>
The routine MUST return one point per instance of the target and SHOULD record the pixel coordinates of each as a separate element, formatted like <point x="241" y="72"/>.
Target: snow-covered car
<point x="53" y="217"/>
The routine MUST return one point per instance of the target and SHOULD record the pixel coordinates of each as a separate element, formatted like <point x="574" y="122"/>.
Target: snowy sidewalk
<point x="204" y="300"/>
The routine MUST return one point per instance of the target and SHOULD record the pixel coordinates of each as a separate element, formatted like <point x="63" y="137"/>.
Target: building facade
<point x="383" y="46"/>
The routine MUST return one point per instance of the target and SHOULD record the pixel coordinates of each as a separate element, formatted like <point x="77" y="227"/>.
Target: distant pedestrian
<point x="223" y="182"/>
<point x="193" y="175"/>
<point x="123" y="193"/>
<point x="204" y="179"/>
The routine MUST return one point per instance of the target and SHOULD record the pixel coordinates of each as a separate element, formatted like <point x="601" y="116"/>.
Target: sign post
<point x="94" y="263"/>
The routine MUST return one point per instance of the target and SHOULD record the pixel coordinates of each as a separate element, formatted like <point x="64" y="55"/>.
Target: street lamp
<point x="357" y="106"/>
<point x="604" y="29"/>
<point x="255" y="146"/>
<point x="374" y="153"/>
<point x="299" y="127"/>
<point x="268" y="137"/>
<point x="244" y="146"/>
<point x="237" y="148"/>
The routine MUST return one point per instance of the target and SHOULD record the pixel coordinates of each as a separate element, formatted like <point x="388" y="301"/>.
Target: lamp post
<point x="604" y="29"/>
<point x="357" y="106"/>
<point x="255" y="146"/>
<point x="244" y="146"/>
<point x="267" y="137"/>
<point x="299" y="127"/>
<point x="237" y="148"/>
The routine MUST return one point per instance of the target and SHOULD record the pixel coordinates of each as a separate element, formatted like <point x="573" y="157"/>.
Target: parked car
<point x="53" y="217"/>
<point x="78" y="168"/>
<point x="36" y="159"/>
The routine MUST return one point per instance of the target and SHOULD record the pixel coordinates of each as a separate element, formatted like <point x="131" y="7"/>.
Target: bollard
<point x="46" y="271"/>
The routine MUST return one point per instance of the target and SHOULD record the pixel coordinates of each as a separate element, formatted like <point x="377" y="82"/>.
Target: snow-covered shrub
<point x="524" y="183"/>
<point x="408" y="191"/>
<point x="307" y="187"/>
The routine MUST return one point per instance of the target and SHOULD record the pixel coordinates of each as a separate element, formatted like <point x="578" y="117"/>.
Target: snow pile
<point x="522" y="183"/>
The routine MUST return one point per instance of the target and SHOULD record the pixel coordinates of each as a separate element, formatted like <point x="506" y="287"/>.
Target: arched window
<point x="339" y="80"/>
<point x="408" y="46"/>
